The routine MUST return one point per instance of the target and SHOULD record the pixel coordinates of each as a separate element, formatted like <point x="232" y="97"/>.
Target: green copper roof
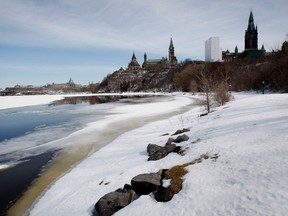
<point x="153" y="61"/>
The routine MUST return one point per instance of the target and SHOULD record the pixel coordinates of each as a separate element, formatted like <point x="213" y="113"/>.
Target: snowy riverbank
<point x="115" y="119"/>
<point x="249" y="178"/>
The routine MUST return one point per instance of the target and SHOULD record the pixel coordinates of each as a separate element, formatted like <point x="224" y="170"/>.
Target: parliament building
<point x="150" y="64"/>
<point x="251" y="44"/>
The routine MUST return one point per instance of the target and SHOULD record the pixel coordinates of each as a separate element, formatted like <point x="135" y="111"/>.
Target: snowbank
<point x="249" y="177"/>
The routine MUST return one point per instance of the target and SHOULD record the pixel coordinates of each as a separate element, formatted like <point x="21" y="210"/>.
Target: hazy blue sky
<point x="45" y="41"/>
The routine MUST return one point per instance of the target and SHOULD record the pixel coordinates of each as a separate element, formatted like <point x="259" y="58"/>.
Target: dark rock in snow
<point x="166" y="134"/>
<point x="170" y="140"/>
<point x="144" y="184"/>
<point x="183" y="152"/>
<point x="114" y="201"/>
<point x="152" y="148"/>
<point x="162" y="152"/>
<point x="177" y="149"/>
<point x="181" y="131"/>
<point x="128" y="187"/>
<point x="181" y="138"/>
<point x="203" y="114"/>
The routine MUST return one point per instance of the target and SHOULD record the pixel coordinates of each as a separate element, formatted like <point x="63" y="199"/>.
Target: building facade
<point x="212" y="50"/>
<point x="161" y="63"/>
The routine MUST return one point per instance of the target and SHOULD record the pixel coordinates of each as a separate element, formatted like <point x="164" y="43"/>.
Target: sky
<point x="52" y="41"/>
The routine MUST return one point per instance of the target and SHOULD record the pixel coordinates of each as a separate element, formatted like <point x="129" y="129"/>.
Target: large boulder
<point x="144" y="184"/>
<point x="152" y="149"/>
<point x="114" y="201"/>
<point x="163" y="152"/>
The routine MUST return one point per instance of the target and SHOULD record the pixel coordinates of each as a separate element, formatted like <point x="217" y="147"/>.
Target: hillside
<point x="141" y="80"/>
<point x="269" y="73"/>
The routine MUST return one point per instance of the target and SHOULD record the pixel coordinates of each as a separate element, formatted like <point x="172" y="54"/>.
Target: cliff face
<point x="141" y="80"/>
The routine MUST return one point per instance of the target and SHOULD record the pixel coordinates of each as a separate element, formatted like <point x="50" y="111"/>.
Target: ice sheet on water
<point x="31" y="130"/>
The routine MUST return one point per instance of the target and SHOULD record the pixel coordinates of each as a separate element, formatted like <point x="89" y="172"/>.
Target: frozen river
<point x="30" y="137"/>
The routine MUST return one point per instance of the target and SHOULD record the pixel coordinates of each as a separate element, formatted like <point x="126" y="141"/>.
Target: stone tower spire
<point x="251" y="25"/>
<point x="171" y="51"/>
<point x="133" y="56"/>
<point x="251" y="34"/>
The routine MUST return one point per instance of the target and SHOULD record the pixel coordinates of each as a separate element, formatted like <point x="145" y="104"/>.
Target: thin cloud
<point x="101" y="35"/>
<point x="125" y="24"/>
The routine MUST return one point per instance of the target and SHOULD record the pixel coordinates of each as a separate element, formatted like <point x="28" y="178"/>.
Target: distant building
<point x="212" y="50"/>
<point x="133" y="64"/>
<point x="172" y="57"/>
<point x="162" y="62"/>
<point x="250" y="44"/>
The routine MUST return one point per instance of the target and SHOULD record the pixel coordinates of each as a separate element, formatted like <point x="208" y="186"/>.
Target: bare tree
<point x="207" y="86"/>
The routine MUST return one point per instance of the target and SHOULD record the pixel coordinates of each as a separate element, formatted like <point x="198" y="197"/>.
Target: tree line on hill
<point x="214" y="79"/>
<point x="269" y="73"/>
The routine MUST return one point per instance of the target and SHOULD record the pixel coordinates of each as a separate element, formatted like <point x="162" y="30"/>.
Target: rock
<point x="178" y="149"/>
<point x="144" y="184"/>
<point x="203" y="114"/>
<point x="128" y="187"/>
<point x="161" y="172"/>
<point x="114" y="201"/>
<point x="152" y="148"/>
<point x="181" y="131"/>
<point x="170" y="140"/>
<point x="183" y="152"/>
<point x="162" y="152"/>
<point x="165" y="134"/>
<point x="181" y="138"/>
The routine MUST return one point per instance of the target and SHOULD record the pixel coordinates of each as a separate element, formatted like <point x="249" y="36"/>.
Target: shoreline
<point x="7" y="102"/>
<point x="70" y="157"/>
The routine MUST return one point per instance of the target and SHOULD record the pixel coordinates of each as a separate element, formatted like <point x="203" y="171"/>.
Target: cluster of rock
<point x="157" y="152"/>
<point x="142" y="184"/>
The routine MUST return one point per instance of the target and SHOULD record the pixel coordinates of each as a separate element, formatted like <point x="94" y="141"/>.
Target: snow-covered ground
<point x="249" y="178"/>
